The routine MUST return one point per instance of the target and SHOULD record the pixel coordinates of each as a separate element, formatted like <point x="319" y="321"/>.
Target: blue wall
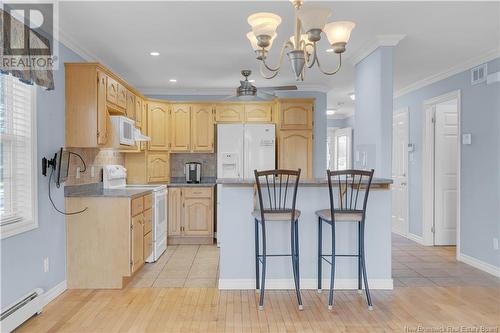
<point x="23" y="254"/>
<point x="320" y="121"/>
<point x="480" y="161"/>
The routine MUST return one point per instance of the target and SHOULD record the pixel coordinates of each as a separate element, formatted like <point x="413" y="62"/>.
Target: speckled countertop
<point x="96" y="190"/>
<point x="315" y="181"/>
<point x="181" y="182"/>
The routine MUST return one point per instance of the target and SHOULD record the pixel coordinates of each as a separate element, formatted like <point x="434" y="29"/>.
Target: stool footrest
<point x="341" y="255"/>
<point x="274" y="255"/>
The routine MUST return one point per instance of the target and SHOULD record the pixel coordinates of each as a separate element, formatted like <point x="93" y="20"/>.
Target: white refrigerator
<point x="243" y="148"/>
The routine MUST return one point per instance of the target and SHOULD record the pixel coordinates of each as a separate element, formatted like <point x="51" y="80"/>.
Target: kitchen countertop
<point x="181" y="182"/>
<point x="96" y="190"/>
<point x="315" y="181"/>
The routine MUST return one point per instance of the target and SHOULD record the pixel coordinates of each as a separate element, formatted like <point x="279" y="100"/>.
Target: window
<point x="339" y="146"/>
<point x="18" y="172"/>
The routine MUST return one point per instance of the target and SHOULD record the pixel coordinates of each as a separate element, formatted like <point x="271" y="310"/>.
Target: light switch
<point x="466" y="139"/>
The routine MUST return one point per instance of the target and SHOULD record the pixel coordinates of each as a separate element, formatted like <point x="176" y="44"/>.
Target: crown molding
<point x="380" y="40"/>
<point x="220" y="91"/>
<point x="71" y="44"/>
<point x="471" y="63"/>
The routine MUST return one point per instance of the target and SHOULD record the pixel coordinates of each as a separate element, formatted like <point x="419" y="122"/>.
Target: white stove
<point x="115" y="176"/>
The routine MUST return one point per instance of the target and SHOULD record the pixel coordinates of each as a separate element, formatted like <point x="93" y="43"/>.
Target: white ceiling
<point x="203" y="44"/>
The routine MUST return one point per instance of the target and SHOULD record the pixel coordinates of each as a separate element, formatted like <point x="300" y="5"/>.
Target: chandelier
<point x="310" y="22"/>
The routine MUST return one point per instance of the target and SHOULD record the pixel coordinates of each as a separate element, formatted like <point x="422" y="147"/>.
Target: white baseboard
<point x="55" y="291"/>
<point x="304" y="284"/>
<point x="479" y="264"/>
<point x="416" y="238"/>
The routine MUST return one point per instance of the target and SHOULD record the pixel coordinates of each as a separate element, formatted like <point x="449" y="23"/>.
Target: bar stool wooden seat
<point x="277" y="191"/>
<point x="348" y="190"/>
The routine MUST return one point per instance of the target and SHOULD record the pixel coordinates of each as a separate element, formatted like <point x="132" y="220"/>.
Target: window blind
<point x="17" y="169"/>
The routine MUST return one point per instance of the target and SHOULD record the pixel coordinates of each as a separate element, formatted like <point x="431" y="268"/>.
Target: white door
<point x="445" y="173"/>
<point x="260" y="144"/>
<point x="342" y="149"/>
<point x="400" y="137"/>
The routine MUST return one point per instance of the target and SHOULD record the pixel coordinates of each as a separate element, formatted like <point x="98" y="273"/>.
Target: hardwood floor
<point x="425" y="304"/>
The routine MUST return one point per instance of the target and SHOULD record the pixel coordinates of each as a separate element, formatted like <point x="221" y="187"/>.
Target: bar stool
<point x="277" y="204"/>
<point x="345" y="188"/>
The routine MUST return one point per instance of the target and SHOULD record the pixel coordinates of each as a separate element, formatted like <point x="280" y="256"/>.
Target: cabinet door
<point x="158" y="167"/>
<point x="229" y="113"/>
<point x="180" y="139"/>
<point x="102" y="112"/>
<point x="111" y="90"/>
<point x="121" y="99"/>
<point x="202" y="128"/>
<point x="258" y="113"/>
<point x="147" y="249"/>
<point x="296" y="115"/>
<point x="197" y="217"/>
<point x="130" y="111"/>
<point x="174" y="211"/>
<point x="137" y="246"/>
<point x="158" y="125"/>
<point x="295" y="151"/>
<point x="138" y="112"/>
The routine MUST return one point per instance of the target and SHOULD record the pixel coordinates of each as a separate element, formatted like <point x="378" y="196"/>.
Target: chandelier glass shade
<point x="301" y="48"/>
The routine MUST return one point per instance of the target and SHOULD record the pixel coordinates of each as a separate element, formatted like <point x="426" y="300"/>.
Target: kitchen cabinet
<point x="102" y="113"/>
<point x="296" y="114"/>
<point x="121" y="98"/>
<point x="148" y="243"/>
<point x="202" y="128"/>
<point x="109" y="242"/>
<point x="147" y="167"/>
<point x="158" y="125"/>
<point x="138" y="113"/>
<point x="111" y="90"/>
<point x="191" y="215"/>
<point x="130" y="110"/>
<point x="295" y="151"/>
<point x="180" y="120"/>
<point x="229" y="112"/>
<point x="258" y="113"/>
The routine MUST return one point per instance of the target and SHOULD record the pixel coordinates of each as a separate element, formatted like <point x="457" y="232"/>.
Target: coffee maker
<point x="192" y="170"/>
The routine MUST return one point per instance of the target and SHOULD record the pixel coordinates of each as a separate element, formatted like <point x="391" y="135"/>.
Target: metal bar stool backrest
<point x="349" y="191"/>
<point x="277" y="190"/>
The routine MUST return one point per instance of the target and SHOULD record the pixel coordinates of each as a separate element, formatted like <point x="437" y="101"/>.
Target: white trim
<point x="351" y="284"/>
<point x="471" y="63"/>
<point x="479" y="264"/>
<point x="380" y="40"/>
<point x="428" y="166"/>
<point x="415" y="238"/>
<point x="54" y="292"/>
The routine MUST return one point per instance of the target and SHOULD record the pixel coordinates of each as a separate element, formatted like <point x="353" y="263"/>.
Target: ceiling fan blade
<point x="230" y="97"/>
<point x="280" y="88"/>
<point x="265" y="95"/>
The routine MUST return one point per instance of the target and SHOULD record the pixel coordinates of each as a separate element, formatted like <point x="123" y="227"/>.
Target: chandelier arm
<point x="335" y="71"/>
<point x="313" y="56"/>
<point x="282" y="52"/>
<point x="273" y="75"/>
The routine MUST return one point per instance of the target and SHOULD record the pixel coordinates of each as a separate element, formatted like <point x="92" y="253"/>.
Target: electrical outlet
<point x="92" y="171"/>
<point x="46" y="267"/>
<point x="78" y="173"/>
<point x="495" y="243"/>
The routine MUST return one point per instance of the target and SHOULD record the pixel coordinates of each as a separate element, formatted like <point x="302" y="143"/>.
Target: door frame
<point x="407" y="234"/>
<point x="428" y="166"/>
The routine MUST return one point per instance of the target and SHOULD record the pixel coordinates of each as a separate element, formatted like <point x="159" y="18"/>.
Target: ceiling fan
<point x="247" y="91"/>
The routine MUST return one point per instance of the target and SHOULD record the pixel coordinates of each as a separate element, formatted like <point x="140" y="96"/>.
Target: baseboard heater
<point x="21" y="311"/>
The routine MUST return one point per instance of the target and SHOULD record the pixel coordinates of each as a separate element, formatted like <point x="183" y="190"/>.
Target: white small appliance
<point x="243" y="148"/>
<point x="123" y="130"/>
<point x="115" y="176"/>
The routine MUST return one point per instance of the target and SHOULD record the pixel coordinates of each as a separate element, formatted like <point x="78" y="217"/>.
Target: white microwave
<point x="123" y="130"/>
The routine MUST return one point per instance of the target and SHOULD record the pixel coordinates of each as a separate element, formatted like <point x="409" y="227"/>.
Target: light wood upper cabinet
<point x="180" y="121"/>
<point x="121" y="99"/>
<point x="138" y="112"/>
<point x="258" y="113"/>
<point x="158" y="167"/>
<point x="102" y="113"/>
<point x="112" y="90"/>
<point x="130" y="110"/>
<point x="174" y="211"/>
<point x="296" y="151"/>
<point x="229" y="113"/>
<point x="158" y="114"/>
<point x="198" y="217"/>
<point x="202" y="128"/>
<point x="137" y="246"/>
<point x="296" y="114"/>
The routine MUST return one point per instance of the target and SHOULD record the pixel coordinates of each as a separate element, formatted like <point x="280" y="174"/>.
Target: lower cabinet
<point x="137" y="246"/>
<point x="190" y="215"/>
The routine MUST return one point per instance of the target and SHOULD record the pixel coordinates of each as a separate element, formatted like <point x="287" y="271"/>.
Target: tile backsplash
<point x="208" y="164"/>
<point x="92" y="157"/>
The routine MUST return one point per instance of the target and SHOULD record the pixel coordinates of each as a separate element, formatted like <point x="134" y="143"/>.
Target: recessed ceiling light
<point x="329" y="50"/>
<point x="330" y="112"/>
<point x="154" y="53"/>
<point x="352" y="96"/>
<point x="251" y="81"/>
<point x="172" y="80"/>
